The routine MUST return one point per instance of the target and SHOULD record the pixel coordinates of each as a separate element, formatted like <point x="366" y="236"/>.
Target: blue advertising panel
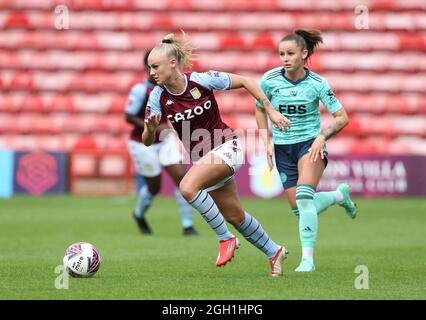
<point x="40" y="172"/>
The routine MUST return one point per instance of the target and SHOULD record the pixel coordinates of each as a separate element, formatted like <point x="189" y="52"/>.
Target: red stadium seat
<point x="162" y="21"/>
<point x="232" y="41"/>
<point x="371" y="145"/>
<point x="263" y="41"/>
<point x="7" y="105"/>
<point x="32" y="103"/>
<point x="58" y="85"/>
<point x="22" y="80"/>
<point x="17" y="20"/>
<point x="58" y="103"/>
<point x="85" y="143"/>
<point x="412" y="42"/>
<point x="117" y="104"/>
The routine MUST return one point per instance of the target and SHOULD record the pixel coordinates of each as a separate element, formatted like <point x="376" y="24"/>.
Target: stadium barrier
<point x="99" y="172"/>
<point x="369" y="176"/>
<point x="96" y="172"/>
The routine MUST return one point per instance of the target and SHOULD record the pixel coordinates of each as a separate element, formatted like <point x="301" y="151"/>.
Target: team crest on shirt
<point x="149" y="168"/>
<point x="195" y="93"/>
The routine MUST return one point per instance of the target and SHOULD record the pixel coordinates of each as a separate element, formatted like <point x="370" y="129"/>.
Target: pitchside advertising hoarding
<point x="39" y="173"/>
<point x="369" y="175"/>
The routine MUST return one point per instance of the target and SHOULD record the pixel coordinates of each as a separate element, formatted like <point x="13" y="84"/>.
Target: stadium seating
<point x="62" y="89"/>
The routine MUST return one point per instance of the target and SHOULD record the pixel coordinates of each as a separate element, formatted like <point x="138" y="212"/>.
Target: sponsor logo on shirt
<point x="189" y="114"/>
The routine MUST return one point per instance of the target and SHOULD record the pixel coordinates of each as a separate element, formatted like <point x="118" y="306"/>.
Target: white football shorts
<point x="148" y="161"/>
<point x="232" y="153"/>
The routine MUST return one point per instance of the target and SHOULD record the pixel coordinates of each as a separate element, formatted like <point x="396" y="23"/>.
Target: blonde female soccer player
<point x="149" y="161"/>
<point x="188" y="102"/>
<point x="300" y="152"/>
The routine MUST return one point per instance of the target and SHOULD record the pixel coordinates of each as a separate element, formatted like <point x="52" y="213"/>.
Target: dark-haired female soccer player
<point x="300" y="152"/>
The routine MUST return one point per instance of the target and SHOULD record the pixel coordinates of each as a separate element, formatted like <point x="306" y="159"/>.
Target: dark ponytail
<point x="145" y="58"/>
<point x="305" y="39"/>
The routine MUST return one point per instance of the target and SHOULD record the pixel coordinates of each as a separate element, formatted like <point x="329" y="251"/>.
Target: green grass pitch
<point x="388" y="237"/>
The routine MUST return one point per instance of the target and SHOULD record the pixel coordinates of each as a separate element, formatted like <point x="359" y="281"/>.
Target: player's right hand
<point x="280" y="122"/>
<point x="153" y="122"/>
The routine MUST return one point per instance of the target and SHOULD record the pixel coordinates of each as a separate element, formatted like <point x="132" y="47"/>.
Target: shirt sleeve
<point x="329" y="99"/>
<point x="136" y="97"/>
<point x="153" y="106"/>
<point x="265" y="89"/>
<point x="212" y="80"/>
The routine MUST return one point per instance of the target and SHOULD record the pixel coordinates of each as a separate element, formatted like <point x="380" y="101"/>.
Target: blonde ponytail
<point x="181" y="49"/>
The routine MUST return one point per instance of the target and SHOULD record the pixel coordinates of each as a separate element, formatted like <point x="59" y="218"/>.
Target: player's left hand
<point x="317" y="148"/>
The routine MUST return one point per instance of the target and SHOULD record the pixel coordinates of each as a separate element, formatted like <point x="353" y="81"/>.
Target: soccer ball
<point x="82" y="259"/>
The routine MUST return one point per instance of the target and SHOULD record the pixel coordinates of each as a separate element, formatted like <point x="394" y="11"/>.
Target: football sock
<point x="308" y="218"/>
<point x="323" y="201"/>
<point x="204" y="203"/>
<point x="185" y="209"/>
<point x="144" y="201"/>
<point x="308" y="253"/>
<point x="254" y="233"/>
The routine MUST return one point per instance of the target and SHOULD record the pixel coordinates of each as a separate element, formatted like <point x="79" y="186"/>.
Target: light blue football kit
<point x="299" y="102"/>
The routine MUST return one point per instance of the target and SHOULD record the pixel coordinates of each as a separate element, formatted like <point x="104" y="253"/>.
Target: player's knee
<point x="236" y="218"/>
<point x="188" y="189"/>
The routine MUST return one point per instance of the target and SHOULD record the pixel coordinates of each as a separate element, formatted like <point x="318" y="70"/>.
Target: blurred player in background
<point x="300" y="152"/>
<point x="149" y="161"/>
<point x="187" y="100"/>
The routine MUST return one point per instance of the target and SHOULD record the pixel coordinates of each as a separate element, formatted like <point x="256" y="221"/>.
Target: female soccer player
<point x="188" y="102"/>
<point x="300" y="152"/>
<point x="149" y="161"/>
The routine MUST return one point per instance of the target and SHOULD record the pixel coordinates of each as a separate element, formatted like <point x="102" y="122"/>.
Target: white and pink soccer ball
<point x="82" y="259"/>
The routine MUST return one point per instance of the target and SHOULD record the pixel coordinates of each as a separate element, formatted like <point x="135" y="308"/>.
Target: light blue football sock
<point x="254" y="233"/>
<point x="144" y="201"/>
<point x="308" y="218"/>
<point x="322" y="201"/>
<point x="204" y="203"/>
<point x="185" y="209"/>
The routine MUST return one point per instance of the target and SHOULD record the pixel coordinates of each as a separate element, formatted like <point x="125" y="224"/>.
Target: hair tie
<point x="167" y="41"/>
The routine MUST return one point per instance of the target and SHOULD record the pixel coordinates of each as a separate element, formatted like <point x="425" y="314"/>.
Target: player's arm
<point x="134" y="120"/>
<point x="279" y="121"/>
<point x="340" y="120"/>
<point x="262" y="124"/>
<point x="150" y="127"/>
<point x="152" y="117"/>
